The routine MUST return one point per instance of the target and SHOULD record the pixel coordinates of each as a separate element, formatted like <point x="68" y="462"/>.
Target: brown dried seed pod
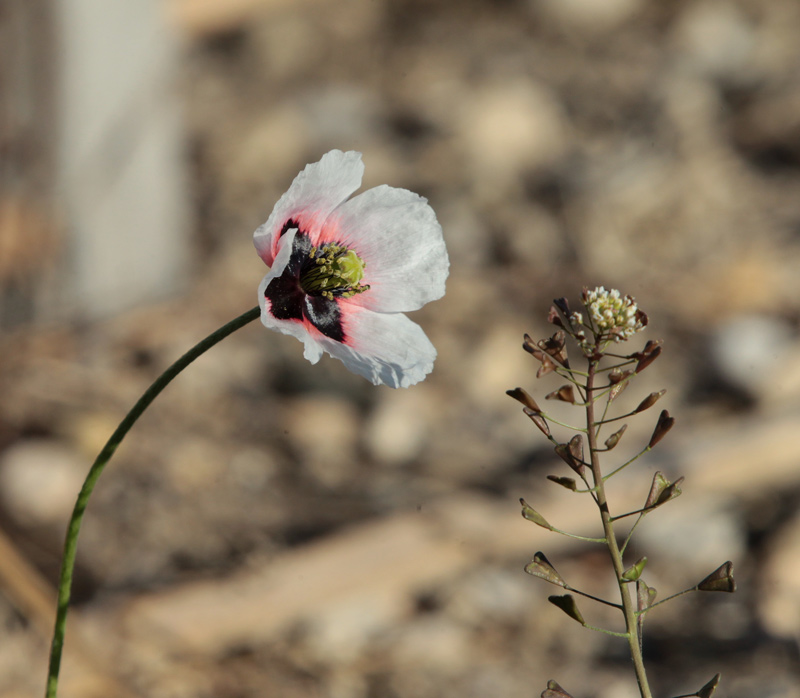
<point x="565" y="393"/>
<point x="521" y="395"/>
<point x="538" y="420"/>
<point x="665" y="423"/>
<point x="649" y="401"/>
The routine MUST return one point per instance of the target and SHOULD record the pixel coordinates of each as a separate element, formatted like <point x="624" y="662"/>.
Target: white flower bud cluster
<point x="612" y="314"/>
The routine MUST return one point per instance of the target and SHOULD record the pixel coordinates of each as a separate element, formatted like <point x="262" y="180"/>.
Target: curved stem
<point x="71" y="541"/>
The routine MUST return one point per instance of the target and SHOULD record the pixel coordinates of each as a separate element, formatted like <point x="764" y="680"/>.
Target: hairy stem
<point x="634" y="641"/>
<point x="71" y="541"/>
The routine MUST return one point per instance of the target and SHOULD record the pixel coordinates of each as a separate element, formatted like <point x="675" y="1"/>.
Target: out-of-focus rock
<point x="690" y="538"/>
<point x="749" y="350"/>
<point x="779" y="582"/>
<point x="282" y="48"/>
<point x="259" y="154"/>
<point x="39" y="481"/>
<point x="434" y="644"/>
<point x="324" y="431"/>
<point x="533" y="238"/>
<point x="498" y="363"/>
<point x="491" y="595"/>
<point x="252" y="469"/>
<point x="341" y="114"/>
<point x="468" y="240"/>
<point x="197" y="464"/>
<point x="509" y="127"/>
<point x="589" y="16"/>
<point x="344" y="632"/>
<point x="618" y="688"/>
<point x="715" y="39"/>
<point x="398" y="428"/>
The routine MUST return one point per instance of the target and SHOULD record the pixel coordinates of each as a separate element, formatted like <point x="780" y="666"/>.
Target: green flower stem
<point x="569" y="373"/>
<point x="610" y="420"/>
<point x="630" y="533"/>
<point x="626" y="464"/>
<point x="628" y="608"/>
<point x="604" y="631"/>
<point x="71" y="541"/>
<point x="575" y="536"/>
<point x="627" y="362"/>
<point x="561" y="424"/>
<point x="630" y="513"/>
<point x="669" y="598"/>
<point x="594" y="598"/>
<point x="602" y="420"/>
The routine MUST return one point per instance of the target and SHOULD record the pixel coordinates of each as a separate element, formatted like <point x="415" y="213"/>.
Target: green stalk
<point x="71" y="541"/>
<point x="628" y="609"/>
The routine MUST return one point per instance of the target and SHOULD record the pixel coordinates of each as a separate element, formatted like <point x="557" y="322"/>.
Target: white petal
<point x="314" y="193"/>
<point x="396" y="233"/>
<point x="386" y="349"/>
<point x="304" y="331"/>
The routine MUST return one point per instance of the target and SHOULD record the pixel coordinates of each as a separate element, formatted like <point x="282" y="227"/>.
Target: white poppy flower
<point x="343" y="271"/>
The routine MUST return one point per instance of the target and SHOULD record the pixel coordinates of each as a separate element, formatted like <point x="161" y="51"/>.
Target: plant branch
<point x="629" y="611"/>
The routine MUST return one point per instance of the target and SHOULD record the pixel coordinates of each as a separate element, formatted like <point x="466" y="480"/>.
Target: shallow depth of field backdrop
<point x="276" y="529"/>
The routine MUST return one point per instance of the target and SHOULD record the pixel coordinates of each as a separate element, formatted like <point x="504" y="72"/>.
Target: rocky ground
<point x="277" y="529"/>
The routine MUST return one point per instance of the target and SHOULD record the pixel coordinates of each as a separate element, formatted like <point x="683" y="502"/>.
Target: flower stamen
<point x="333" y="271"/>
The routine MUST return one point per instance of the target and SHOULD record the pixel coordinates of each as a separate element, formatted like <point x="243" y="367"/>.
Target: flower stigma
<point x="333" y="271"/>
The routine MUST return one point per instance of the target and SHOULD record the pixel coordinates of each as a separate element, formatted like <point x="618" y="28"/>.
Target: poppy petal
<point x="396" y="233"/>
<point x="385" y="348"/>
<point x="314" y="193"/>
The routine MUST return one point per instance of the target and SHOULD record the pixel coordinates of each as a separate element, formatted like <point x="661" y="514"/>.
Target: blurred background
<point x="272" y="528"/>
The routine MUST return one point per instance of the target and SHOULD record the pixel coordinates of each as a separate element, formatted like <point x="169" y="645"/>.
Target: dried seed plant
<point x="608" y="320"/>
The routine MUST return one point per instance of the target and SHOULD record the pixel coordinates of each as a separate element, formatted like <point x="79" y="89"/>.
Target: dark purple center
<point x="290" y="301"/>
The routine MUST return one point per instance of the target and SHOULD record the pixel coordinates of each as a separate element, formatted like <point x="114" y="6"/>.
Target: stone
<point x="687" y="539"/>
<point x="324" y="431"/>
<point x="491" y="594"/>
<point x="510" y="127"/>
<point x="715" y="40"/>
<point x="779" y="582"/>
<point x="437" y="644"/>
<point x="590" y="16"/>
<point x="400" y="425"/>
<point x="39" y="481"/>
<point x="746" y="349"/>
